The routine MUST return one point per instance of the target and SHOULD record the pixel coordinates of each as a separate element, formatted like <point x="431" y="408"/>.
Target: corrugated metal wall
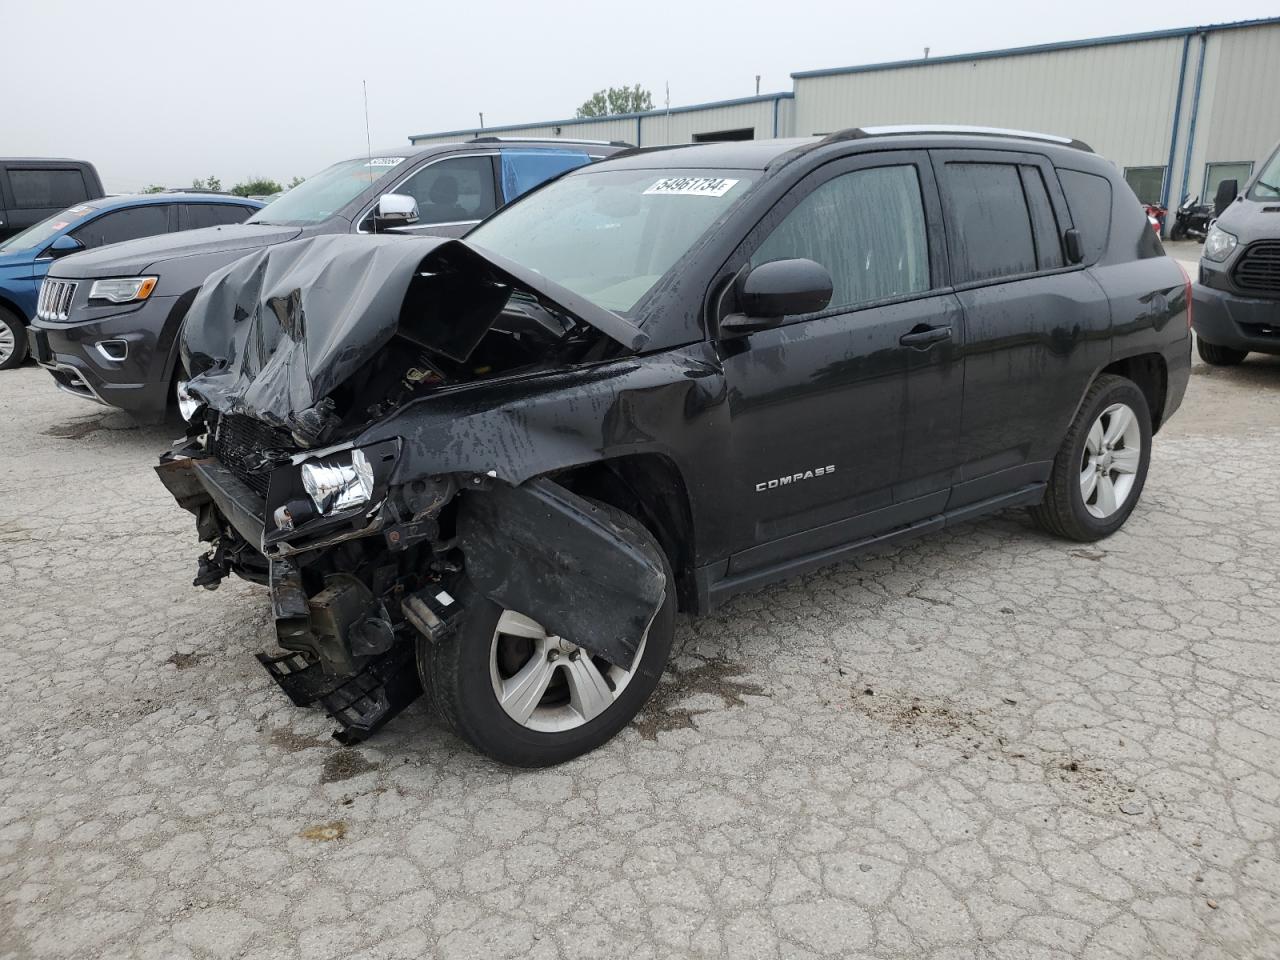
<point x="1239" y="115"/>
<point x="1117" y="98"/>
<point x="605" y="129"/>
<point x="653" y="128"/>
<point x="682" y="126"/>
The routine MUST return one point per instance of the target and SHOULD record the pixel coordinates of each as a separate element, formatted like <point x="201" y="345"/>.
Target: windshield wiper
<point x="1274" y="189"/>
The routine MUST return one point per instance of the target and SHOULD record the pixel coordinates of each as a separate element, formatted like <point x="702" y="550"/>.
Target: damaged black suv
<point x="496" y="467"/>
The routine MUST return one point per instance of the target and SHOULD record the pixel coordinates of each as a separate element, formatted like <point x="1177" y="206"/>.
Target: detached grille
<point x="1259" y="268"/>
<point x="239" y="442"/>
<point x="55" y="299"/>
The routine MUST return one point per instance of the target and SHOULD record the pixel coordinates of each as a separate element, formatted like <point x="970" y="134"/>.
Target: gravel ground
<point x="986" y="744"/>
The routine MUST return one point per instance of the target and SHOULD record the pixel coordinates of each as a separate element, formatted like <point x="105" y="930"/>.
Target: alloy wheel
<point x="8" y="343"/>
<point x="547" y="684"/>
<point x="1112" y="456"/>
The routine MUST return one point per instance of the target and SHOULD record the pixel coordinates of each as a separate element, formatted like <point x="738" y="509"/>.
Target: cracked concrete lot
<point x="985" y="744"/>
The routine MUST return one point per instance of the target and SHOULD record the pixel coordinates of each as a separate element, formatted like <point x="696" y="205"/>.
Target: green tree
<point x="294" y="182"/>
<point x="257" y="187"/>
<point x="154" y="188"/>
<point x="615" y="100"/>
<point x="209" y="183"/>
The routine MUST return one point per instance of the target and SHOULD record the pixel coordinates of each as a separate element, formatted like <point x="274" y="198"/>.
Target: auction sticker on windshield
<point x="693" y="186"/>
<point x="384" y="161"/>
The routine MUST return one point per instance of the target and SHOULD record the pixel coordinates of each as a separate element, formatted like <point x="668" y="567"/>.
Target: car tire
<point x="1219" y="356"/>
<point x="1096" y="479"/>
<point x="13" y="340"/>
<point x="462" y="674"/>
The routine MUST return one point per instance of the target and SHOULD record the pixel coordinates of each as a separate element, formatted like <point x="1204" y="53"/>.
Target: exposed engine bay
<point x="328" y="457"/>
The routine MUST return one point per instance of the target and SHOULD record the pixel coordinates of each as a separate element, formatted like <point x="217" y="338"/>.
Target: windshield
<point x="610" y="235"/>
<point x="1267" y="186"/>
<point x="320" y="197"/>
<point x="37" y="234"/>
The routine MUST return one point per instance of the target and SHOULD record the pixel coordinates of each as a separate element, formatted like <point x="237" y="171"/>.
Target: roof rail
<point x="598" y="143"/>
<point x="907" y="129"/>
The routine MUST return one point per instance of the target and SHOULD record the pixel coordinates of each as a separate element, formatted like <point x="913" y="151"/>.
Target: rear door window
<point x="1049" y="255"/>
<point x="867" y="227"/>
<point x="197" y="215"/>
<point x="989" y="232"/>
<point x="41" y="189"/>
<point x="522" y="170"/>
<point x="120" y="225"/>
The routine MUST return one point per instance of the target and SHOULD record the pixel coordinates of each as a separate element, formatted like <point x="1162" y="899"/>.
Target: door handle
<point x="923" y="335"/>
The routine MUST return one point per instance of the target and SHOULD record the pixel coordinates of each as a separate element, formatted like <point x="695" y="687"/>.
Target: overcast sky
<point x="161" y="92"/>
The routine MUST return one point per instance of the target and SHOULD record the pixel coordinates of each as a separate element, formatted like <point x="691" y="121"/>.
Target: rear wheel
<point x="531" y="699"/>
<point x="13" y="340"/>
<point x="1219" y="356"/>
<point x="1101" y="467"/>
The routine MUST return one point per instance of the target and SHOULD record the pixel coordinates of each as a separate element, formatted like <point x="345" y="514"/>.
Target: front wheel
<point x="1101" y="467"/>
<point x="1219" y="356"/>
<point x="1178" y="232"/>
<point x="530" y="699"/>
<point x="13" y="340"/>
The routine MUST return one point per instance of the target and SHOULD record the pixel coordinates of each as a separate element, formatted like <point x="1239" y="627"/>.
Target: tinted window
<point x="450" y="191"/>
<point x="121" y="225"/>
<point x="34" y="189"/>
<point x="1048" y="237"/>
<point x="866" y="227"/>
<point x="1089" y="200"/>
<point x="214" y="214"/>
<point x="988" y="224"/>
<point x="522" y="170"/>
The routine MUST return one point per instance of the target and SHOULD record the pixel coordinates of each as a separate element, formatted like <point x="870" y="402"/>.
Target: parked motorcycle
<point x="1192" y="219"/>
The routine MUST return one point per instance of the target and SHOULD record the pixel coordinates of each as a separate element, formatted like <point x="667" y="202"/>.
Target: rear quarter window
<point x="1089" y="199"/>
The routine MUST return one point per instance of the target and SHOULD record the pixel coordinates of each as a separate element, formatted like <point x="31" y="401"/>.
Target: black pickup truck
<point x="495" y="467"/>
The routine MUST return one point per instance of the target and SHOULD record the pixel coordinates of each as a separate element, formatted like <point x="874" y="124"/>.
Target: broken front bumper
<point x="351" y="617"/>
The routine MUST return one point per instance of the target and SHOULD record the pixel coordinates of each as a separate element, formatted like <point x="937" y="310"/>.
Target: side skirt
<point x="715" y="584"/>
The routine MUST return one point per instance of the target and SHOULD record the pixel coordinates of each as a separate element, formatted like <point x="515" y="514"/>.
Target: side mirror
<point x="1075" y="246"/>
<point x="776" y="290"/>
<point x="62" y="246"/>
<point x="1228" y="190"/>
<point x="396" y="208"/>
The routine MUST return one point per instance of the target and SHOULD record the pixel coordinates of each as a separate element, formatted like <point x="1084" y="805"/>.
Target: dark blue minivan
<point x="26" y="257"/>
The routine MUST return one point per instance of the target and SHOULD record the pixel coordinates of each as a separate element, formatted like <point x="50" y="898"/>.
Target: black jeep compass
<point x="496" y="467"/>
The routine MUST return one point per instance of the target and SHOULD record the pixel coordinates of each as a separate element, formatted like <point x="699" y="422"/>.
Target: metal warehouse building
<point x="1178" y="110"/>
<point x="751" y="118"/>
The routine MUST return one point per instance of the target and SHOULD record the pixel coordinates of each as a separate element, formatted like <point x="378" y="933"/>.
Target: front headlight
<point x="123" y="289"/>
<point x="334" y="486"/>
<point x="1219" y="244"/>
<point x="187" y="404"/>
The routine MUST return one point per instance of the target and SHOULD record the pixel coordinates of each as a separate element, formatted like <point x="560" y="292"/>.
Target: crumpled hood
<point x="135" y="256"/>
<point x="272" y="334"/>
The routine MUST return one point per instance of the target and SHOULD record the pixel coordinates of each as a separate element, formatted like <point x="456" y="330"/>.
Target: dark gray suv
<point x="441" y="190"/>
<point x="1237" y="301"/>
